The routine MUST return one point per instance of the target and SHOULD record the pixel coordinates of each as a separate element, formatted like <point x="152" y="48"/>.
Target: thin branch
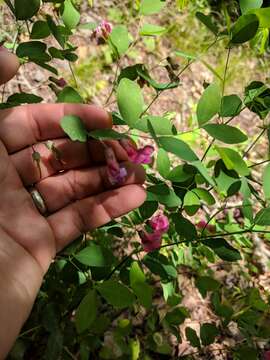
<point x="254" y="143"/>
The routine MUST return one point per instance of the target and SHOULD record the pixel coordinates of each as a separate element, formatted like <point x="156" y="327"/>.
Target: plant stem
<point x="73" y="74"/>
<point x="135" y="252"/>
<point x="114" y="82"/>
<point x="254" y="142"/>
<point x="260" y="163"/>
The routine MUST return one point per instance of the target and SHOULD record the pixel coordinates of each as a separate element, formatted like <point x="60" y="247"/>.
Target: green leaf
<point x="224" y="250"/>
<point x="144" y="74"/>
<point x="192" y="337"/>
<point x="247" y="5"/>
<point x="266" y="182"/>
<point x="54" y="345"/>
<point x="163" y="163"/>
<point x="24" y="98"/>
<point x="86" y="312"/>
<point x="233" y="161"/>
<point x="177" y="316"/>
<point x="263" y="15"/>
<point x="55" y="30"/>
<point x="205" y="284"/>
<point x="244" y="29"/>
<point x="74" y="128"/>
<point x="95" y="255"/>
<point x="70" y="15"/>
<point x="178" y="174"/>
<point x="25" y="11"/>
<point x="149" y="7"/>
<point x="161" y="125"/>
<point x="263" y="217"/>
<point x="178" y="147"/>
<point x="69" y="95"/>
<point x="230" y="106"/>
<point x="33" y="50"/>
<point x="116" y="294"/>
<point x="185" y="55"/>
<point x="225" y="133"/>
<point x="208" y="333"/>
<point x="151" y="30"/>
<point x="130" y="101"/>
<point x="191" y="203"/>
<point x="202" y="169"/>
<point x="40" y="30"/>
<point x="209" y="104"/>
<point x="207" y="21"/>
<point x="168" y="198"/>
<point x="246" y="352"/>
<point x="135" y="349"/>
<point x="184" y="227"/>
<point x="205" y="195"/>
<point x="159" y="264"/>
<point x="142" y="290"/>
<point x="148" y="209"/>
<point x="119" y="38"/>
<point x="106" y="134"/>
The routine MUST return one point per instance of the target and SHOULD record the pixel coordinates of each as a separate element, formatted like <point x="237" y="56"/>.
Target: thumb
<point x="9" y="65"/>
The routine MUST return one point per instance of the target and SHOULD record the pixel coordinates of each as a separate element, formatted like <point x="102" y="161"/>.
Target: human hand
<point x="78" y="199"/>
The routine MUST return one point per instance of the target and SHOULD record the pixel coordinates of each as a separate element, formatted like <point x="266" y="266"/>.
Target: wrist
<point x="20" y="280"/>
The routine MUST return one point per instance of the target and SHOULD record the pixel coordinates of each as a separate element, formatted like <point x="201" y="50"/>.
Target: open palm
<point x="76" y="191"/>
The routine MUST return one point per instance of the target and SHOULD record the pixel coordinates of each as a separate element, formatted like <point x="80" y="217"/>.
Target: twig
<point x="254" y="142"/>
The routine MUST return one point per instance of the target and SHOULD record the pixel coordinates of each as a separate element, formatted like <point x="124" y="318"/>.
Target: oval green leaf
<point x="130" y="101"/>
<point x="225" y="133"/>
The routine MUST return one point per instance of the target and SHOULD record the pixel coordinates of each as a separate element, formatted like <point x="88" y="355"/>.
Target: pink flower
<point x="201" y="224"/>
<point x="267" y="355"/>
<point x="102" y="31"/>
<point x="150" y="241"/>
<point x="116" y="173"/>
<point x="159" y="223"/>
<point x="138" y="156"/>
<point x="61" y="82"/>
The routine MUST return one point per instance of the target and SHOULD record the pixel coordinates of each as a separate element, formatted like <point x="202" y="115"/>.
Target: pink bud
<point x="106" y="28"/>
<point x="138" y="156"/>
<point x="201" y="224"/>
<point x="267" y="355"/>
<point x="160" y="223"/>
<point x="61" y="82"/>
<point x="116" y="174"/>
<point x="102" y="31"/>
<point x="150" y="241"/>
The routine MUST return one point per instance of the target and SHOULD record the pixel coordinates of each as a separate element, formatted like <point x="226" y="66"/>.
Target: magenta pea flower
<point x="159" y="225"/>
<point x="102" y="31"/>
<point x="116" y="173"/>
<point x="150" y="241"/>
<point x="138" y="156"/>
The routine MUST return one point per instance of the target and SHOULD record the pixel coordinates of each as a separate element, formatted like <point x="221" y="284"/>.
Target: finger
<point x="69" y="155"/>
<point x="26" y="125"/>
<point x="9" y="65"/>
<point x="63" y="189"/>
<point x="95" y="211"/>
